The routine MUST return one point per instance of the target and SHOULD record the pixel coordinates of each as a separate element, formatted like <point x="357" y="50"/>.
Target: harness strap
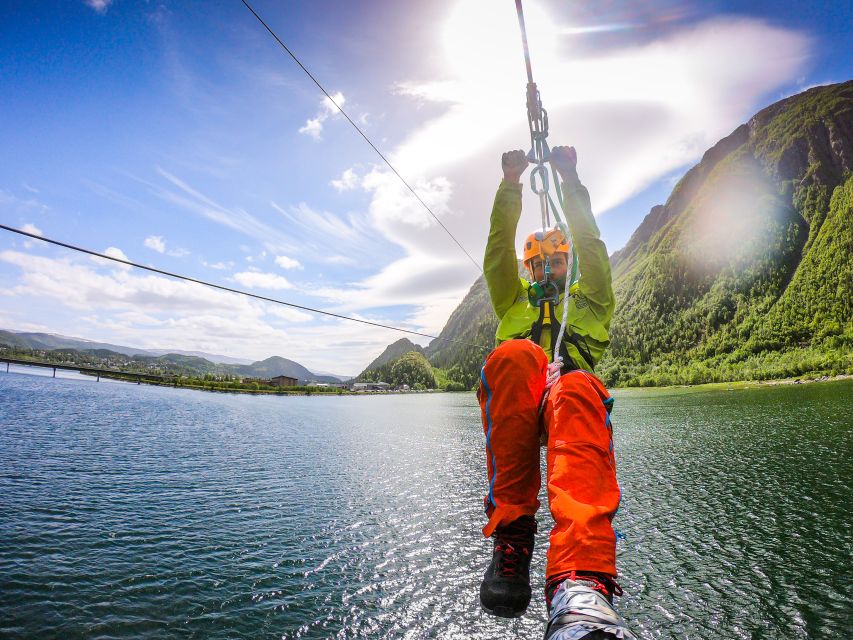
<point x="575" y="339"/>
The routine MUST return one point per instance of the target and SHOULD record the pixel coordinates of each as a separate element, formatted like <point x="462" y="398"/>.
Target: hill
<point x="380" y="368"/>
<point x="195" y="363"/>
<point x="746" y="272"/>
<point x="278" y="366"/>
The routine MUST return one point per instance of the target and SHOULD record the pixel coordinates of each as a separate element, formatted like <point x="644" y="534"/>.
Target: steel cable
<point x="232" y="290"/>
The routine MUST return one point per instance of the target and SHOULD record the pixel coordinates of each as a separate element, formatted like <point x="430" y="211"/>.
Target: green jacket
<point x="591" y="304"/>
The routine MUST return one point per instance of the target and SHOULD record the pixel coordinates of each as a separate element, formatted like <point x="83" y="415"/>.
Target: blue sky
<point x="180" y="135"/>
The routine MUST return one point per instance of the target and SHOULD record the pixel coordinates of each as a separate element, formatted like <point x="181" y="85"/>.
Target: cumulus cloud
<point x="636" y="114"/>
<point x="31" y="228"/>
<point x="100" y="6"/>
<point x="81" y="287"/>
<point x="155" y="312"/>
<point x="113" y="252"/>
<point x="347" y="181"/>
<point x="314" y="126"/>
<point x="156" y="243"/>
<point x="286" y="262"/>
<point x="289" y="314"/>
<point x="261" y="280"/>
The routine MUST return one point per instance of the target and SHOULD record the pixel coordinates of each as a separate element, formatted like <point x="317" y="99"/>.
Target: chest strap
<point x="546" y="312"/>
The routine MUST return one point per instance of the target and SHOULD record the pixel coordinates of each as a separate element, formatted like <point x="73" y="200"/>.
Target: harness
<point x="558" y="342"/>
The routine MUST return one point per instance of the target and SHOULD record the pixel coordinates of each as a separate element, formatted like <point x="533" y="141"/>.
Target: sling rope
<point x="539" y="154"/>
<point x="213" y="285"/>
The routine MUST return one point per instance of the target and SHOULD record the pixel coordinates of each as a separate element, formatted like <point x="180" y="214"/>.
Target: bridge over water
<point x="107" y="373"/>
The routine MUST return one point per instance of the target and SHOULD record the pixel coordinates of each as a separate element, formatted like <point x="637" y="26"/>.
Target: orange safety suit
<point x="583" y="494"/>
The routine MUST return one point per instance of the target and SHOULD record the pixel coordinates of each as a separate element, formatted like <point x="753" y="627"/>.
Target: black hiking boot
<point x="505" y="590"/>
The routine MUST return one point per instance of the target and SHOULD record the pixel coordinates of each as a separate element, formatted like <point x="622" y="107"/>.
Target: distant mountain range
<point x="746" y="272"/>
<point x="185" y="362"/>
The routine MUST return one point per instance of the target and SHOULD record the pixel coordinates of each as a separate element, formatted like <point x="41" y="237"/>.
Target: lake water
<point x="140" y="512"/>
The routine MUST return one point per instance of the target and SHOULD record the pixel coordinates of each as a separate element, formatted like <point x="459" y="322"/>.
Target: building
<point x="283" y="381"/>
<point x="371" y="386"/>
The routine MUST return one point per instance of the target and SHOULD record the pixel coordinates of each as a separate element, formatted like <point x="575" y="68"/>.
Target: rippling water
<point x="137" y="512"/>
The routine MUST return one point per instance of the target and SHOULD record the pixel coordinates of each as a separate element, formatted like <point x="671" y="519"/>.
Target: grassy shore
<point x="742" y="384"/>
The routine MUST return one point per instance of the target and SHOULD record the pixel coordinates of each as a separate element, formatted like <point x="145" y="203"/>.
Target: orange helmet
<point x="545" y="243"/>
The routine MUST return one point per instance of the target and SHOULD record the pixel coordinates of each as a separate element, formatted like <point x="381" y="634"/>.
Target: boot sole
<point x="503" y="612"/>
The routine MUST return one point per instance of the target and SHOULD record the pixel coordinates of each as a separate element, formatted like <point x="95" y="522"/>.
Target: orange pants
<point x="583" y="494"/>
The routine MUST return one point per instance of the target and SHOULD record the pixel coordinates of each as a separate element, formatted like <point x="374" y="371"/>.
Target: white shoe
<point x="577" y="611"/>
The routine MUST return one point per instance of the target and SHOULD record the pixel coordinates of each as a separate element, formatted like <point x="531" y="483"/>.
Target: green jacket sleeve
<point x="595" y="281"/>
<point x="500" y="264"/>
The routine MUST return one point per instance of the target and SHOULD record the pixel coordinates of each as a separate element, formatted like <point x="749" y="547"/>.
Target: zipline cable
<point x="231" y="290"/>
<point x="363" y="135"/>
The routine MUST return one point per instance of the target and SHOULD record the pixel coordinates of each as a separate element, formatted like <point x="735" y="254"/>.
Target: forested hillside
<point x="746" y="272"/>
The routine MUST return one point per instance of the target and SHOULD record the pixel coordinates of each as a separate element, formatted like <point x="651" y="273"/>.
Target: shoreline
<point x="321" y="391"/>
<point x="744" y="384"/>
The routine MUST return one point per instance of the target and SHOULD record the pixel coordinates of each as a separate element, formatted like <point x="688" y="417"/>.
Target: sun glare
<point x="481" y="39"/>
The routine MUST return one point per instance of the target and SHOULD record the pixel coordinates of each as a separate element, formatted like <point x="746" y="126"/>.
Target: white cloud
<point x="31" y="228"/>
<point x="347" y="181"/>
<point x="260" y="280"/>
<point x="234" y="218"/>
<point x="314" y="126"/>
<point x="113" y="252"/>
<point x="80" y="287"/>
<point x="319" y="229"/>
<point x="156" y="243"/>
<point x="635" y="115"/>
<point x="289" y="314"/>
<point x="219" y="266"/>
<point x="178" y="253"/>
<point x="155" y="312"/>
<point x="100" y="6"/>
<point x="287" y="263"/>
<point x="12" y="203"/>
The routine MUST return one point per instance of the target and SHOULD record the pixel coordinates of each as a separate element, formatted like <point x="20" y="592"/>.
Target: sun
<point x="481" y="40"/>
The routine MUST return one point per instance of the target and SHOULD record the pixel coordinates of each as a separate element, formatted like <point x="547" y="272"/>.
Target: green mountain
<point x="394" y="351"/>
<point x="746" y="272"/>
<point x="278" y="366"/>
<point x="380" y="368"/>
<point x="29" y="340"/>
<point x="468" y="335"/>
<point x="102" y="355"/>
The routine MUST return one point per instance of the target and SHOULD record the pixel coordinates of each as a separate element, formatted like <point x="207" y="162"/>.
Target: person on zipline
<point x="583" y="494"/>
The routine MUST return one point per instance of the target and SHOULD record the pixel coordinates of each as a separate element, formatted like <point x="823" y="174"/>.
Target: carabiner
<point x="539" y="170"/>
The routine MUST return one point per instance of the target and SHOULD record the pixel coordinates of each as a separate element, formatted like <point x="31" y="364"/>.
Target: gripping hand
<point x="565" y="161"/>
<point x="513" y="164"/>
<point x="553" y="372"/>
